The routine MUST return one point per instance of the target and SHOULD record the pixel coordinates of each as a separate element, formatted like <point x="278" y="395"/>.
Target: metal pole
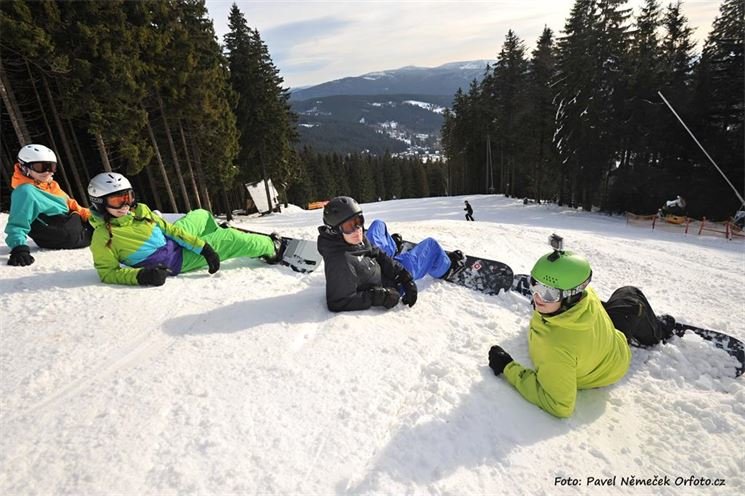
<point x="739" y="196"/>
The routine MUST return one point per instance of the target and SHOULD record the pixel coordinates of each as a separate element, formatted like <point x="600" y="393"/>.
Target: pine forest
<point x="145" y="88"/>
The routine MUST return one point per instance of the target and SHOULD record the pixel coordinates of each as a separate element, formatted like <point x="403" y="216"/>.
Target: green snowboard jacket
<point x="576" y="349"/>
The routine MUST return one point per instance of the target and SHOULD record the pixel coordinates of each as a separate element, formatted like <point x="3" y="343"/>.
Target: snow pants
<point x="427" y="257"/>
<point x="61" y="232"/>
<point x="228" y="243"/>
<point x="631" y="313"/>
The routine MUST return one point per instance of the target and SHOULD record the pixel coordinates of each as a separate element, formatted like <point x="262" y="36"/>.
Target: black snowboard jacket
<point x="352" y="270"/>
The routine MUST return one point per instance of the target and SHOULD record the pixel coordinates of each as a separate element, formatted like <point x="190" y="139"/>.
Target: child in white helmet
<point x="129" y="233"/>
<point x="41" y="210"/>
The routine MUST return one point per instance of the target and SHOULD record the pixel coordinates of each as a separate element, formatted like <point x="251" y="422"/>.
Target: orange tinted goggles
<point x="121" y="198"/>
<point x="350" y="226"/>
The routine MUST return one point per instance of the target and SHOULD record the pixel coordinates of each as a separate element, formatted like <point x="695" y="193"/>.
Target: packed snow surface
<point x="243" y="382"/>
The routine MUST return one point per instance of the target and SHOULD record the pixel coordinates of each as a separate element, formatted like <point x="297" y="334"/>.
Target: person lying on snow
<point x="365" y="269"/>
<point x="41" y="210"/>
<point x="127" y="232"/>
<point x="575" y="340"/>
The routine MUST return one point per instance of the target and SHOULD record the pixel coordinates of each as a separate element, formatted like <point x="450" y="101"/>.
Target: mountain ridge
<point x="444" y="79"/>
<point x="397" y="110"/>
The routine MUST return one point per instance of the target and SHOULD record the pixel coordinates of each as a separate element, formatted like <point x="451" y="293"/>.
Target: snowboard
<point x="733" y="346"/>
<point x="301" y="255"/>
<point x="477" y="273"/>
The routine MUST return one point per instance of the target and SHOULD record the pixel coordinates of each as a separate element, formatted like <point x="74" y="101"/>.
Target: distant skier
<point x="575" y="340"/>
<point x="129" y="233"/>
<point x="674" y="207"/>
<point x="365" y="269"/>
<point x="41" y="210"/>
<point x="469" y="211"/>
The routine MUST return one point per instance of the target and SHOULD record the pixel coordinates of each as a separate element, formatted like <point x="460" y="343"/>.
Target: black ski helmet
<point x="340" y="209"/>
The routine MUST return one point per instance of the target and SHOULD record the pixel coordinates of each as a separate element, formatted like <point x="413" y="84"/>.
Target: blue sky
<point x="311" y="42"/>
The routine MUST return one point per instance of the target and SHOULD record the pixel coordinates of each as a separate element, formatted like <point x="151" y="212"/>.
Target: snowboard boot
<point x="399" y="242"/>
<point x="457" y="262"/>
<point x="666" y="326"/>
<point x="279" y="250"/>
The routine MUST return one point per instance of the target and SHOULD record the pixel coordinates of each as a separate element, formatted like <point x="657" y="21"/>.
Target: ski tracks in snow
<point x="138" y="350"/>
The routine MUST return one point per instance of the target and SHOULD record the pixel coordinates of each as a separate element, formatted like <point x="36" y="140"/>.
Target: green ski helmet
<point x="566" y="273"/>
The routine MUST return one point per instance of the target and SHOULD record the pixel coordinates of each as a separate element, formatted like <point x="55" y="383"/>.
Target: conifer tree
<point x="676" y="150"/>
<point x="574" y="86"/>
<point x="642" y="105"/>
<point x="719" y="107"/>
<point x="540" y="128"/>
<point x="392" y="174"/>
<point x="262" y="111"/>
<point x="589" y="98"/>
<point x="106" y="85"/>
<point x="506" y="96"/>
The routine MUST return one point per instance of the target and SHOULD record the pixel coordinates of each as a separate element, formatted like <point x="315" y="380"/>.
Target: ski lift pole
<point x="739" y="196"/>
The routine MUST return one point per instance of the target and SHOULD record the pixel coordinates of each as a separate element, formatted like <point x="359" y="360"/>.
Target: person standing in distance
<point x="469" y="211"/>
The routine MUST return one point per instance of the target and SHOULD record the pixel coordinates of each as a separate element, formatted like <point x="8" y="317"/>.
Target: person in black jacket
<point x="359" y="274"/>
<point x="469" y="211"/>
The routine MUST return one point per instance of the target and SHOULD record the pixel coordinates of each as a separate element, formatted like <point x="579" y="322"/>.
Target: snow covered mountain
<point x="399" y="110"/>
<point x="440" y="80"/>
<point x="243" y="382"/>
<point x="376" y="123"/>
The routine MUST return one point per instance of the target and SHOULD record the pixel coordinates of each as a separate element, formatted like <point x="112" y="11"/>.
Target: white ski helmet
<point x="105" y="184"/>
<point x="36" y="153"/>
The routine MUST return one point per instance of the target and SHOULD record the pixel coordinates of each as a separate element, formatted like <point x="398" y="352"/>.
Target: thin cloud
<point x="284" y="38"/>
<point x="313" y="41"/>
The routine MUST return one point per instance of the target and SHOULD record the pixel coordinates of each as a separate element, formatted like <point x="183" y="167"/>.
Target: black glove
<point x="20" y="256"/>
<point x="498" y="359"/>
<point x="384" y="297"/>
<point x="213" y="259"/>
<point x="410" y="290"/>
<point x="152" y="276"/>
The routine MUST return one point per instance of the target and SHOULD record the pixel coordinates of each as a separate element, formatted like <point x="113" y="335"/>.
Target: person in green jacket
<point x="128" y="233"/>
<point x="572" y="340"/>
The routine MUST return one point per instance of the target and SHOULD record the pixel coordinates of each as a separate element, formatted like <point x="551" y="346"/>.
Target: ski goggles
<point x="552" y="295"/>
<point x="42" y="167"/>
<point x="350" y="226"/>
<point x="120" y="199"/>
<point x="547" y="293"/>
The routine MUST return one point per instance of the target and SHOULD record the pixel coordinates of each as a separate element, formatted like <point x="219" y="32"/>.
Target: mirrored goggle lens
<point x="352" y="225"/>
<point x="547" y="293"/>
<point x="42" y="167"/>
<point x="118" y="200"/>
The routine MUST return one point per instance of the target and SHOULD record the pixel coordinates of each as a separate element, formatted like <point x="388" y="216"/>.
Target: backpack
<point x="632" y="314"/>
